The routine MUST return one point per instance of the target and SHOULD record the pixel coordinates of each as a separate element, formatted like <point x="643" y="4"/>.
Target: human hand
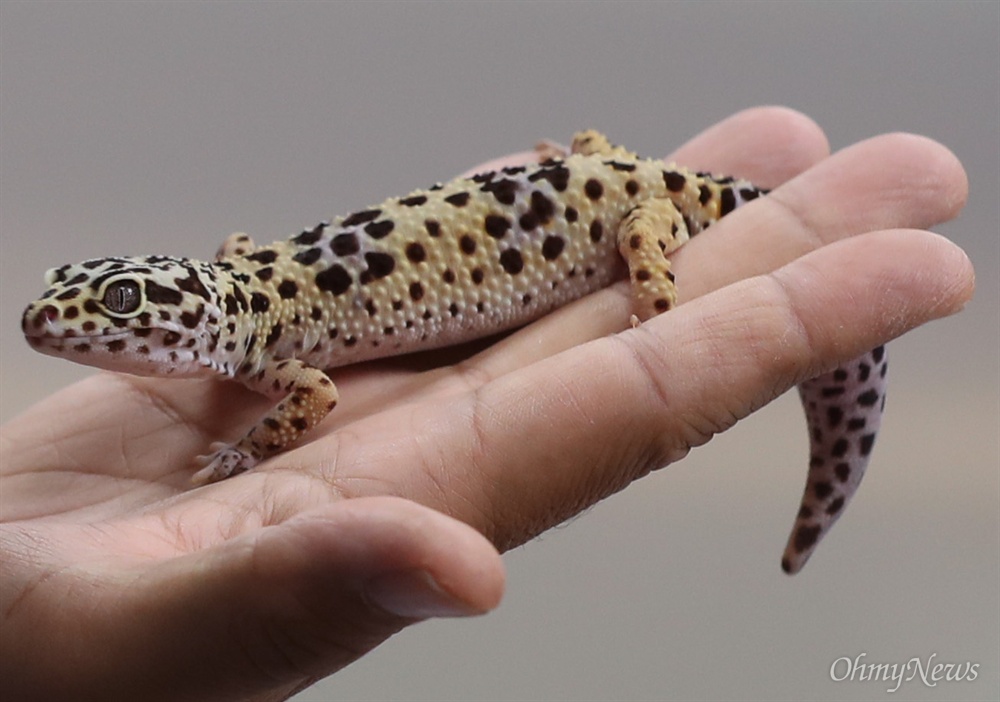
<point x="119" y="580"/>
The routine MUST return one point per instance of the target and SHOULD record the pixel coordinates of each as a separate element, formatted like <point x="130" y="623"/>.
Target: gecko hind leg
<point x="647" y="234"/>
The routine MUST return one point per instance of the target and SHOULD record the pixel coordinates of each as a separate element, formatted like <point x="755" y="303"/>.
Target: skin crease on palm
<point x="119" y="580"/>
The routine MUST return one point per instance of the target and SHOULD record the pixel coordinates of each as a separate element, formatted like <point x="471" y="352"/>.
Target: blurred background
<point x="132" y="128"/>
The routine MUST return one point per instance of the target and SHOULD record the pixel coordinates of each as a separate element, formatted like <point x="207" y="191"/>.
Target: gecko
<point x="441" y="266"/>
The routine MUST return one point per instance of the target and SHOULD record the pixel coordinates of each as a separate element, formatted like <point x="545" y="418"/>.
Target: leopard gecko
<point x="440" y="266"/>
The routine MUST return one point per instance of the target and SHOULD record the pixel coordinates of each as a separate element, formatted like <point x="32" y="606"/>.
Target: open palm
<point x="120" y="579"/>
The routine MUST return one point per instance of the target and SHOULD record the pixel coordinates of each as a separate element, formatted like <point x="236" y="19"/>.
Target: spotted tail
<point x="844" y="411"/>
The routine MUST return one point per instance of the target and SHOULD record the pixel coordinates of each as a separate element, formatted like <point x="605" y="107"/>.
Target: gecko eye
<point x="122" y="297"/>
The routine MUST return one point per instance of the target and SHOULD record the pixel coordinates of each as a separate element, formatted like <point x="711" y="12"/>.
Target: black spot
<point x="158" y="294"/>
<point x="878" y="353"/>
<point x="416" y="291"/>
<point x="557" y="175"/>
<point x="571" y="214"/>
<point x="805" y="538"/>
<point x="593" y="189"/>
<point x="477" y="275"/>
<point x="868" y="398"/>
<point x="265" y="273"/>
<point x="68" y="294"/>
<point x="379" y="264"/>
<point x="344" y="244"/>
<point x="856" y="423"/>
<point x="307" y="257"/>
<point x="596" y="230"/>
<point x="273" y="336"/>
<point x="496" y="225"/>
<point x="379" y="230"/>
<point x="116" y="345"/>
<point x="171" y="338"/>
<point x="842" y="471"/>
<point x="259" y="302"/>
<point x="839" y="448"/>
<point x="193" y="285"/>
<point x="840" y="375"/>
<point x="728" y="202"/>
<point x="511" y="261"/>
<point x="867" y="442"/>
<point x="805" y="512"/>
<point x="265" y="256"/>
<point x="674" y="181"/>
<point x="370" y="308"/>
<point x="528" y="221"/>
<point x="835" y="506"/>
<point x="552" y="247"/>
<point x="288" y="289"/>
<point x="415" y="252"/>
<point x="467" y="244"/>
<point x="191" y="319"/>
<point x="413" y="201"/>
<point x="504" y="190"/>
<point x="360" y="218"/>
<point x="458" y="199"/>
<point x="316" y="314"/>
<point x="448" y="276"/>
<point x="632" y="188"/>
<point x="704" y="194"/>
<point x="834" y="415"/>
<point x="626" y="167"/>
<point x="834" y="391"/>
<point x="542" y="207"/>
<point x="823" y="490"/>
<point x="335" y="279"/>
<point x="864" y="370"/>
<point x="299" y="423"/>
<point x="72" y="312"/>
<point x="453" y="309"/>
<point x="433" y="228"/>
<point x="241" y="299"/>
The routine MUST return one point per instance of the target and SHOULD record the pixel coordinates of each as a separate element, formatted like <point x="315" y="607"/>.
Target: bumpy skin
<point x="440" y="266"/>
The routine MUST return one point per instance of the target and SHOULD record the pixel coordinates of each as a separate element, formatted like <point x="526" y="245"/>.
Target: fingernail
<point x="414" y="594"/>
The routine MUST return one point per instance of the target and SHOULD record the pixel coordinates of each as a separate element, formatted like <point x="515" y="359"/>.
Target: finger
<point x="292" y="602"/>
<point x="917" y="183"/>
<point x="575" y="427"/>
<point x="767" y="145"/>
<point x="889" y="181"/>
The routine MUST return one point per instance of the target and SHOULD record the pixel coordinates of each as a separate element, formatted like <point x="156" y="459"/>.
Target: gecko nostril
<point x="46" y="314"/>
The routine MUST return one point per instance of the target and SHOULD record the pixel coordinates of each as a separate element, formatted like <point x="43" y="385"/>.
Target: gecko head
<point x="152" y="315"/>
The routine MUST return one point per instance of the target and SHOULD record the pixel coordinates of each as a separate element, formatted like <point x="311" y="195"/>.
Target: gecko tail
<point x="843" y="411"/>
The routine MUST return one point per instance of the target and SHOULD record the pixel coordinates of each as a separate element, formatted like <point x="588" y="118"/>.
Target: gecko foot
<point x="550" y="150"/>
<point x="223" y="462"/>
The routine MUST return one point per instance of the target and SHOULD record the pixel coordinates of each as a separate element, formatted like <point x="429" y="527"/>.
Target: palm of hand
<point x="256" y="586"/>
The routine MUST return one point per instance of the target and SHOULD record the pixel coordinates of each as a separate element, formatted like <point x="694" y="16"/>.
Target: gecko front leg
<point x="308" y="395"/>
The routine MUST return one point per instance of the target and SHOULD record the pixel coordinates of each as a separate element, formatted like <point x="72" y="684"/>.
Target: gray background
<point x="139" y="128"/>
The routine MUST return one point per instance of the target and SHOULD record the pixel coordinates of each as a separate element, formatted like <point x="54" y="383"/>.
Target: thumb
<point x="269" y="613"/>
